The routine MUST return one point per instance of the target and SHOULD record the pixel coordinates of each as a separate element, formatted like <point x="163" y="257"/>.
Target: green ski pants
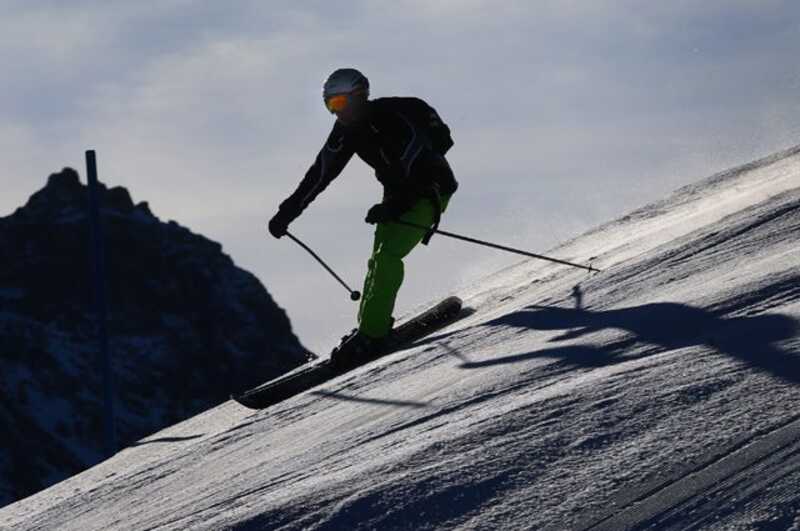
<point x="385" y="270"/>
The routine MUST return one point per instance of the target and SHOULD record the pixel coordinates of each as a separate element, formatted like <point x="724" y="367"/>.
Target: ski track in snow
<point x="661" y="394"/>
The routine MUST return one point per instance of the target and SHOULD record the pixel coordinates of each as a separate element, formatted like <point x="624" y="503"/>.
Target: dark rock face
<point x="187" y="328"/>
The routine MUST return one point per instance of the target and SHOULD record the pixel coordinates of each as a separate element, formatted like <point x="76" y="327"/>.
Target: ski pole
<point x="354" y="295"/>
<point x="496" y="246"/>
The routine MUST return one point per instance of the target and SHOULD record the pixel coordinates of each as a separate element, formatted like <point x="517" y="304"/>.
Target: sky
<point x="565" y="114"/>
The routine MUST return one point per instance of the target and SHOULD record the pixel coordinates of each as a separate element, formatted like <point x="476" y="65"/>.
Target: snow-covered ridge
<point x="661" y="393"/>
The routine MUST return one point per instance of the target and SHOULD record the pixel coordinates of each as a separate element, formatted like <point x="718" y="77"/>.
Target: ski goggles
<point x="337" y="102"/>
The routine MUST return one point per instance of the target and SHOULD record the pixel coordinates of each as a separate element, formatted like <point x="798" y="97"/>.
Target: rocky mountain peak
<point x="65" y="194"/>
<point x="187" y="328"/>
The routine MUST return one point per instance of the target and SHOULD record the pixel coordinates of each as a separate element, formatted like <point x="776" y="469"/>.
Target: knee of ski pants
<point x="384" y="257"/>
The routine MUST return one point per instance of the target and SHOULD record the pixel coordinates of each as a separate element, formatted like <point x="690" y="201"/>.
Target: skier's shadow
<point x="666" y="326"/>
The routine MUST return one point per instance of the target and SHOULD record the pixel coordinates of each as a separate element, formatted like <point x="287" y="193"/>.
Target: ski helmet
<point x="345" y="81"/>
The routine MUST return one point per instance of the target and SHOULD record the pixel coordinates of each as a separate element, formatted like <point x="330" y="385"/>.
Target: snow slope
<point x="661" y="393"/>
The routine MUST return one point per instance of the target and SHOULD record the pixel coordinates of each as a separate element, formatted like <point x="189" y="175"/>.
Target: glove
<point x="380" y="213"/>
<point x="279" y="224"/>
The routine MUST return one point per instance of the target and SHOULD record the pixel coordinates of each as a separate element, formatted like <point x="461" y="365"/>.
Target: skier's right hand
<point x="279" y="224"/>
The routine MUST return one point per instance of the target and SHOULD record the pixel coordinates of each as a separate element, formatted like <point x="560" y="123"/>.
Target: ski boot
<point x="356" y="349"/>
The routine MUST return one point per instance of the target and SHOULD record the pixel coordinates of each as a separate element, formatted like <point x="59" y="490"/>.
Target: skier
<point x="405" y="142"/>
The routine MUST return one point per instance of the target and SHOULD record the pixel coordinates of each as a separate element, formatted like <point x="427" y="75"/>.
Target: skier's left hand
<point x="380" y="213"/>
<point x="279" y="224"/>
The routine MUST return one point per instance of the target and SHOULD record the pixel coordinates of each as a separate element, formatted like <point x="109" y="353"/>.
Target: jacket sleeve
<point x="330" y="162"/>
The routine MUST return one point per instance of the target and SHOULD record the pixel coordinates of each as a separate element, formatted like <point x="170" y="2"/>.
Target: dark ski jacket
<point x="402" y="139"/>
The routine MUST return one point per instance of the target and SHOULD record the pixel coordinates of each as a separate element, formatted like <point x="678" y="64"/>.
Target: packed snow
<point x="661" y="393"/>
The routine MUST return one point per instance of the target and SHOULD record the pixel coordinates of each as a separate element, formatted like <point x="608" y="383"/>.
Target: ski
<point x="315" y="373"/>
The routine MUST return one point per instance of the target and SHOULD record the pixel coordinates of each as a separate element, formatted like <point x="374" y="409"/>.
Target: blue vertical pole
<point x="101" y="309"/>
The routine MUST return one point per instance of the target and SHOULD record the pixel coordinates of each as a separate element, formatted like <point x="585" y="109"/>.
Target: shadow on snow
<point x="667" y="326"/>
<point x="377" y="401"/>
<point x="167" y="440"/>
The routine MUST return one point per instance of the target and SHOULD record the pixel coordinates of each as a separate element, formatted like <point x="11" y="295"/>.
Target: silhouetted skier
<point x="404" y="141"/>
